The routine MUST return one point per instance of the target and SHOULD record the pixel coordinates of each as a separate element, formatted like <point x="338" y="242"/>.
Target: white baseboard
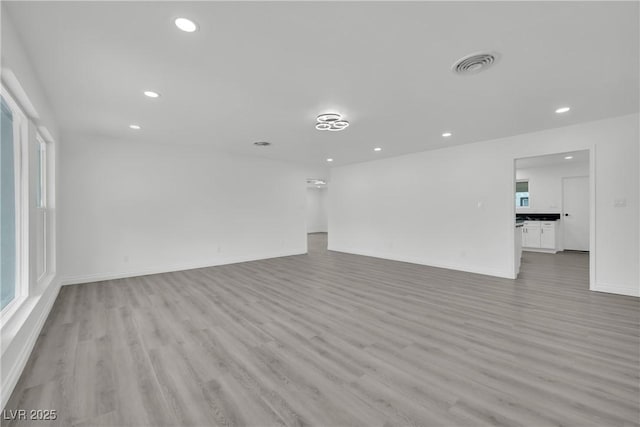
<point x="540" y="250"/>
<point x="98" y="277"/>
<point x="616" y="289"/>
<point x="420" y="261"/>
<point x="40" y="308"/>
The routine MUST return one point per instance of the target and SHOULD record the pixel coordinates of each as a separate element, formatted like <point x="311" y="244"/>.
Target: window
<point x="8" y="208"/>
<point x="522" y="194"/>
<point x="12" y="210"/>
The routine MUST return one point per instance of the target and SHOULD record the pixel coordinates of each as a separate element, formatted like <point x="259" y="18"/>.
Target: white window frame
<point x="42" y="204"/>
<point x="42" y="172"/>
<point x="21" y="170"/>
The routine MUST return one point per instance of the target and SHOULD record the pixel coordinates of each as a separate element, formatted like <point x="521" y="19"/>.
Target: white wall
<point x="20" y="330"/>
<point x="454" y="207"/>
<point x="317" y="213"/>
<point x="129" y="208"/>
<point x="545" y="185"/>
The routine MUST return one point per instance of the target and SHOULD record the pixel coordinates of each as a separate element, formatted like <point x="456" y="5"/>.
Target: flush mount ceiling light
<point x="262" y="143"/>
<point x="151" y="94"/>
<point x="568" y="157"/>
<point x="563" y="110"/>
<point x="331" y="122"/>
<point x="377" y="149"/>
<point x="186" y="25"/>
<point x="329" y="160"/>
<point x="135" y="127"/>
<point x="329" y="117"/>
<point x="339" y="125"/>
<point x="447" y="134"/>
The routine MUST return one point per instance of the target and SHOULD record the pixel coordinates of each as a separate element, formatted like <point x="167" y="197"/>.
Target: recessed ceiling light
<point x="377" y="149"/>
<point x="151" y="94"/>
<point x="563" y="110"/>
<point x="447" y="134"/>
<point x="136" y="127"/>
<point x="568" y="157"/>
<point x="262" y="143"/>
<point x="329" y="160"/>
<point x="186" y="25"/>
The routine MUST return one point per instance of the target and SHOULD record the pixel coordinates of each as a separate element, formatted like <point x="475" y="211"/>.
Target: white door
<point x="575" y="207"/>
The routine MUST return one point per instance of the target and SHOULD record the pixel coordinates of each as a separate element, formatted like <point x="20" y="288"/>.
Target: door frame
<point x="592" y="207"/>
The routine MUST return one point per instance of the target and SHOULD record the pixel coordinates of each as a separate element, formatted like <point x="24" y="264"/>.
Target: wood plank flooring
<point x="332" y="339"/>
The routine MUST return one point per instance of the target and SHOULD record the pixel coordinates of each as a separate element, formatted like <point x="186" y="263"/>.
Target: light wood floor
<point x="339" y="340"/>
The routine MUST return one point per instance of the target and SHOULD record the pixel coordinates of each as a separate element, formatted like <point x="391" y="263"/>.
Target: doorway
<point x="575" y="207"/>
<point x="552" y="210"/>
<point x="317" y="214"/>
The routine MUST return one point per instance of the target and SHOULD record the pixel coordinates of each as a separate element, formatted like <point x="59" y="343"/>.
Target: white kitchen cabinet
<point x="548" y="235"/>
<point x="531" y="234"/>
<point x="541" y="236"/>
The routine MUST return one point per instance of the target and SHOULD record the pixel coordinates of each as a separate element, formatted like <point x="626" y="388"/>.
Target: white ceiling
<point x="264" y="70"/>
<point x="581" y="156"/>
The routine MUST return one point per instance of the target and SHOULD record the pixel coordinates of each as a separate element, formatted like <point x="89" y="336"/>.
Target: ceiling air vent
<point x="474" y="63"/>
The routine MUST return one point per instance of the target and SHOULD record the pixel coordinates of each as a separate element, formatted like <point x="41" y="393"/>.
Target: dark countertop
<point x="537" y="217"/>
